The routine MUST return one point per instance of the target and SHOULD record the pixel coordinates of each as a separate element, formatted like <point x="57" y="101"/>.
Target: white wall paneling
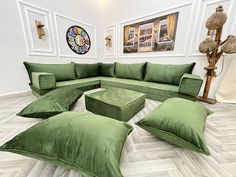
<point x="110" y="52"/>
<point x="62" y="24"/>
<point x="181" y="36"/>
<point x="204" y="11"/>
<point x="35" y="46"/>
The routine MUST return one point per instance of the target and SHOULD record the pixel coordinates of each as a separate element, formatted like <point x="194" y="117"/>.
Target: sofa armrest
<point x="43" y="80"/>
<point x="190" y="84"/>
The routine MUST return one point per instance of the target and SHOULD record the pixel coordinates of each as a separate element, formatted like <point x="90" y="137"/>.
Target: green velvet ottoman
<point x="120" y="104"/>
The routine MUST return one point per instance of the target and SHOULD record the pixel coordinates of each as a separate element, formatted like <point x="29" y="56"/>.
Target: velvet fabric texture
<point x="190" y="84"/>
<point x="169" y="74"/>
<point x="55" y="102"/>
<point x="120" y="104"/>
<point x="180" y="122"/>
<point x="43" y="80"/>
<point x="130" y="71"/>
<point x="85" y="142"/>
<point x="86" y="70"/>
<point x="107" y="69"/>
<point x="61" y="71"/>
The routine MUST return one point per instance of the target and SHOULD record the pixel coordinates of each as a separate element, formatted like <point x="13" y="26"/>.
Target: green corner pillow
<point x="54" y="102"/>
<point x="86" y="70"/>
<point x="86" y="142"/>
<point x="169" y="74"/>
<point x="107" y="69"/>
<point x="180" y="122"/>
<point x="62" y="72"/>
<point x="130" y="71"/>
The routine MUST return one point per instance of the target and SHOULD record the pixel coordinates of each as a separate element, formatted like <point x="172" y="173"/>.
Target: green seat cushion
<point x="120" y="104"/>
<point x="107" y="69"/>
<point x="130" y="71"/>
<point x="86" y="70"/>
<point x="54" y="102"/>
<point x="180" y="122"/>
<point x="89" y="143"/>
<point x="44" y="80"/>
<point x="169" y="74"/>
<point x="61" y="71"/>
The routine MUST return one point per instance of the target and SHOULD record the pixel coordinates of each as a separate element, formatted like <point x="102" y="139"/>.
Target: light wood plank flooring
<point x="143" y="154"/>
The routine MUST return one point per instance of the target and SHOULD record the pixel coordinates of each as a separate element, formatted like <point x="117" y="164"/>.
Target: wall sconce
<point x="108" y="41"/>
<point x="40" y="30"/>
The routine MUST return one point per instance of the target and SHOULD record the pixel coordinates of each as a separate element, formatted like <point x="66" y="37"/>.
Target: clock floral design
<point x="78" y="40"/>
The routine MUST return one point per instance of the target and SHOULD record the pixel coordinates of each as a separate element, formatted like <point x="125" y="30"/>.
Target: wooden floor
<point x="143" y="155"/>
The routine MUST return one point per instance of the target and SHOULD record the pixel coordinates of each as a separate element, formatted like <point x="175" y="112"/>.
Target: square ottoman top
<point x="117" y="103"/>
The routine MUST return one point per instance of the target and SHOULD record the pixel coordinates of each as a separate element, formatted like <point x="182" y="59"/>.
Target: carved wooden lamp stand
<point x="213" y="47"/>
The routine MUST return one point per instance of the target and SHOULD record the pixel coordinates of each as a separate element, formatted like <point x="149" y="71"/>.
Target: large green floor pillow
<point x="180" y="122"/>
<point x="86" y="142"/>
<point x="86" y="70"/>
<point x="54" y="102"/>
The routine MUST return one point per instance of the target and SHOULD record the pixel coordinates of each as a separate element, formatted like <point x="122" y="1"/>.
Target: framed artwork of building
<point x="156" y="34"/>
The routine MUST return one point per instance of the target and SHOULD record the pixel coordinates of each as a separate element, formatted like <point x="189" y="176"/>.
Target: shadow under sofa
<point x="180" y="82"/>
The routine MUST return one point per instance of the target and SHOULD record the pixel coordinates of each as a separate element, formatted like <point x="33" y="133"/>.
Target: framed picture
<point x="110" y="41"/>
<point x="75" y="39"/>
<point x="37" y="27"/>
<point x="156" y="34"/>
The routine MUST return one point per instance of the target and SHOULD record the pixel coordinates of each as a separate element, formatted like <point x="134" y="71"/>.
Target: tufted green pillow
<point x="62" y="72"/>
<point x="169" y="74"/>
<point x="180" y="122"/>
<point x="130" y="71"/>
<point x="86" y="142"/>
<point x="107" y="69"/>
<point x="54" y="102"/>
<point x="86" y="70"/>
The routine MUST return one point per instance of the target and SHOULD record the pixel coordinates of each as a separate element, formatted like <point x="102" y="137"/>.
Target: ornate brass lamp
<point x="213" y="47"/>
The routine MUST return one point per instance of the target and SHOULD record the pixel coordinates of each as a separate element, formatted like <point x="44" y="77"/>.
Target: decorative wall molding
<point x="199" y="24"/>
<point x="60" y="40"/>
<point x="173" y="9"/>
<point x="44" y="48"/>
<point x="107" y="30"/>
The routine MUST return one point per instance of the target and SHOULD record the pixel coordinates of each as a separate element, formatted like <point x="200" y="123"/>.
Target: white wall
<point x="99" y="13"/>
<point x="190" y="30"/>
<point x="13" y="76"/>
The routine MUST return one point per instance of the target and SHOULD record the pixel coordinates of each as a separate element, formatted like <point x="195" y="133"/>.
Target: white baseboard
<point x="13" y="94"/>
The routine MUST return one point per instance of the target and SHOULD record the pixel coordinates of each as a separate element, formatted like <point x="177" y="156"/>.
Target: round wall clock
<point x="78" y="40"/>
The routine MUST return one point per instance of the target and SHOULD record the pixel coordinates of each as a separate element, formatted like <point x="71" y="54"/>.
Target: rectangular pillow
<point x="85" y="142"/>
<point x="43" y="80"/>
<point x="86" y="70"/>
<point x="169" y="74"/>
<point x="61" y="71"/>
<point x="107" y="69"/>
<point x="130" y="71"/>
<point x="180" y="122"/>
<point x="54" y="102"/>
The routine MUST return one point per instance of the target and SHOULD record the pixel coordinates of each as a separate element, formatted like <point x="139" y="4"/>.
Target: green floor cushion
<point x="169" y="74"/>
<point x="43" y="80"/>
<point x="107" y="69"/>
<point x="86" y="70"/>
<point x="120" y="104"/>
<point x="86" y="142"/>
<point x="130" y="71"/>
<point x="180" y="122"/>
<point x="54" y="102"/>
<point x="61" y="71"/>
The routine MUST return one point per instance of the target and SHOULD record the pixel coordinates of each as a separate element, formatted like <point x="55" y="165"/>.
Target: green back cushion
<point x="62" y="72"/>
<point x="54" y="102"/>
<point x="86" y="142"/>
<point x="180" y="122"/>
<point x="169" y="74"/>
<point x="130" y="71"/>
<point x="107" y="69"/>
<point x="86" y="70"/>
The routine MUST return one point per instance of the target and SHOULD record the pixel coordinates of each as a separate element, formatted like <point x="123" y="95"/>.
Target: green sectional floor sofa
<point x="157" y="81"/>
